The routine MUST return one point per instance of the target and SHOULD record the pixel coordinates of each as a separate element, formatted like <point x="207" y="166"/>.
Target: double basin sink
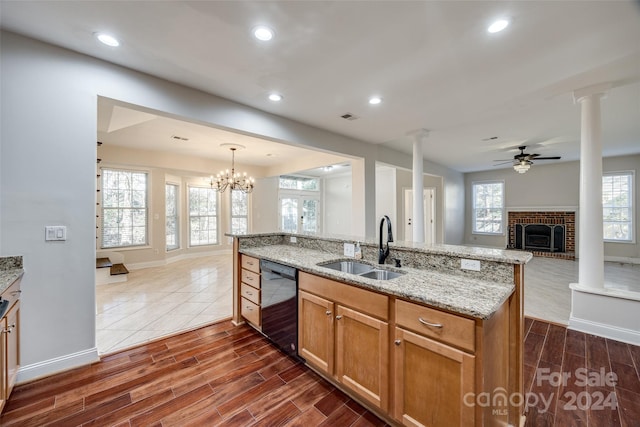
<point x="361" y="269"/>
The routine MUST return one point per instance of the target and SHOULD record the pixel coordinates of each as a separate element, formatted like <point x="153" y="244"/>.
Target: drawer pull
<point x="250" y="279"/>
<point x="328" y="313"/>
<point x="338" y="317"/>
<point x="250" y="262"/>
<point x="397" y="342"/>
<point x="249" y="308"/>
<point x="249" y="292"/>
<point x="433" y="325"/>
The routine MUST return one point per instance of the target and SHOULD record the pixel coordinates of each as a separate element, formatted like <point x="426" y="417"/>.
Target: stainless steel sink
<point x="361" y="269"/>
<point x="381" y="274"/>
<point x="353" y="267"/>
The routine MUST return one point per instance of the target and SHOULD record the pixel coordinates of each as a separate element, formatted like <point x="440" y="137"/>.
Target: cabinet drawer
<point x="250" y="263"/>
<point x="449" y="328"/>
<point x="250" y="311"/>
<point x="250" y="293"/>
<point x="12" y="293"/>
<point x="251" y="278"/>
<point x="368" y="302"/>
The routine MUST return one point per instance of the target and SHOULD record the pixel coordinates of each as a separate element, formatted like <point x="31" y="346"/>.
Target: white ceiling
<point x="432" y="62"/>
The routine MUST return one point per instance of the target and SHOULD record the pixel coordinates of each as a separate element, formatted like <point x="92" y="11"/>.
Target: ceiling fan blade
<point x="548" y="158"/>
<point x="503" y="162"/>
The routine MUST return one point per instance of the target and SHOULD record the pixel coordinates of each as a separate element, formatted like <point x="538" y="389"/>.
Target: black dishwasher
<point x="279" y="305"/>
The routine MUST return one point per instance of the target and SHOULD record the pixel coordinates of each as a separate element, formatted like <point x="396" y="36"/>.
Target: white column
<point x="590" y="239"/>
<point x="419" y="137"/>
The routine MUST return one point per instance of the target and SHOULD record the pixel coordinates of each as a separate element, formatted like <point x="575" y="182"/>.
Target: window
<point x="617" y="205"/>
<point x="239" y="212"/>
<point x="299" y="183"/>
<point x="124" y="208"/>
<point x="488" y="207"/>
<point x="172" y="227"/>
<point x="203" y="216"/>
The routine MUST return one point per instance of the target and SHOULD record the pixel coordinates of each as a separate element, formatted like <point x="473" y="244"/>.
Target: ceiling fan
<point x="523" y="161"/>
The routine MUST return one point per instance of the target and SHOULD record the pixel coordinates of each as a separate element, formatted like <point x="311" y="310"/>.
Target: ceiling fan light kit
<point x="522" y="161"/>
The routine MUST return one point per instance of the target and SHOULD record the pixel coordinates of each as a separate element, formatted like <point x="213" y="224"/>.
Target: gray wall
<point x="48" y="120"/>
<point x="550" y="186"/>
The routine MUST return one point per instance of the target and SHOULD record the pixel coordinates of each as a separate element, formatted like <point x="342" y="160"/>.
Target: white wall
<point x="337" y="204"/>
<point x="386" y="198"/>
<point x="264" y="205"/>
<point x="549" y="186"/>
<point x="49" y="103"/>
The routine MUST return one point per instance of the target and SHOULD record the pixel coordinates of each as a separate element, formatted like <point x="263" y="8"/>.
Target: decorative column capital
<point x="418" y="134"/>
<point x="599" y="90"/>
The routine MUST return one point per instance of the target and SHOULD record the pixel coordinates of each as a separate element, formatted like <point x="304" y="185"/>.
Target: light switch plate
<point x="470" y="264"/>
<point x="349" y="249"/>
<point x="55" y="233"/>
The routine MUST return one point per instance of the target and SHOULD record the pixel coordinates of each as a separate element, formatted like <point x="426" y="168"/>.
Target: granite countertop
<point x="474" y="252"/>
<point x="10" y="271"/>
<point x="468" y="296"/>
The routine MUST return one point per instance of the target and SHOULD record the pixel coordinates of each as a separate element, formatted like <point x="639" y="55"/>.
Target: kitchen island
<point x="417" y="349"/>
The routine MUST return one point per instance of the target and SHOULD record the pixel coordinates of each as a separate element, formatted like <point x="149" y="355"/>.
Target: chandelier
<point x="233" y="180"/>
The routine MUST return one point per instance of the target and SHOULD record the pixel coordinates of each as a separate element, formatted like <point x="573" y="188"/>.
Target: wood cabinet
<point x="9" y="342"/>
<point x="250" y="290"/>
<point x="431" y="378"/>
<point x="343" y="332"/>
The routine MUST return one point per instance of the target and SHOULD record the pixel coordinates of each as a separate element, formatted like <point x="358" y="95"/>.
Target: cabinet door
<point x="12" y="343"/>
<point x="315" y="331"/>
<point x="362" y="352"/>
<point x="430" y="382"/>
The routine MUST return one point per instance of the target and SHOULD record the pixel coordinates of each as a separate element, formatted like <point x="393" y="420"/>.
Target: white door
<point x="300" y="214"/>
<point x="429" y="200"/>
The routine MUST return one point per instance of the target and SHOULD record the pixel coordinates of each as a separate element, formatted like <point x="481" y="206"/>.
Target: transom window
<point x="617" y="205"/>
<point x="288" y="182"/>
<point x="488" y="207"/>
<point x="124" y="208"/>
<point x="203" y="216"/>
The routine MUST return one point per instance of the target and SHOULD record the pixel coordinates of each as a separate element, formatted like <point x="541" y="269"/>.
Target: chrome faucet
<point x="384" y="252"/>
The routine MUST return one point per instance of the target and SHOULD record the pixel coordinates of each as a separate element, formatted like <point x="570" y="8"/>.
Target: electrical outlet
<point x="293" y="239"/>
<point x="349" y="249"/>
<point x="470" y="264"/>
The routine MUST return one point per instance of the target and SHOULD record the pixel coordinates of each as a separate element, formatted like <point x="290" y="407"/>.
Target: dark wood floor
<point x="226" y="375"/>
<point x="587" y="397"/>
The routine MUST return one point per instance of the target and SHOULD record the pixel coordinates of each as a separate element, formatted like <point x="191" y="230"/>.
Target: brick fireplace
<point x="545" y="233"/>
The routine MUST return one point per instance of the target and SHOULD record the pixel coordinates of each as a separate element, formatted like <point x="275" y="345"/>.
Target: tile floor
<point x="160" y="301"/>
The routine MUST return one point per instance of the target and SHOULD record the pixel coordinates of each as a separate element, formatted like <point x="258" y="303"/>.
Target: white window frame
<point x="632" y="201"/>
<point x="502" y="209"/>
<point x="103" y="192"/>
<point x="232" y="216"/>
<point x="217" y="215"/>
<point x="177" y="216"/>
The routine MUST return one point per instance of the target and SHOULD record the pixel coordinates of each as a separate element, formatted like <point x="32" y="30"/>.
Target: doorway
<point x="299" y="214"/>
<point x="429" y="202"/>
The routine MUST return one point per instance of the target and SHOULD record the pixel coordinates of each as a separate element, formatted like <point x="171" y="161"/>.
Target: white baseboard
<point x="608" y="331"/>
<point x="622" y="259"/>
<point x="169" y="260"/>
<point x="57" y="365"/>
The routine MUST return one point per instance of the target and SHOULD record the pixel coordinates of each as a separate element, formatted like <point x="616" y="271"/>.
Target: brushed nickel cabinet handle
<point x="433" y="325"/>
<point x="397" y="342"/>
<point x="328" y="313"/>
<point x="338" y="317"/>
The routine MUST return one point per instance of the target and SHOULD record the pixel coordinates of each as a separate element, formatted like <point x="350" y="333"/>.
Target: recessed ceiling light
<point x="498" y="26"/>
<point x="275" y="97"/>
<point x="108" y="39"/>
<point x="375" y="100"/>
<point x="263" y="33"/>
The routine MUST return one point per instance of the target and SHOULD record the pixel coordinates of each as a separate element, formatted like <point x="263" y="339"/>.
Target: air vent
<point x="179" y="138"/>
<point x="491" y="138"/>
<point x="349" y="116"/>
